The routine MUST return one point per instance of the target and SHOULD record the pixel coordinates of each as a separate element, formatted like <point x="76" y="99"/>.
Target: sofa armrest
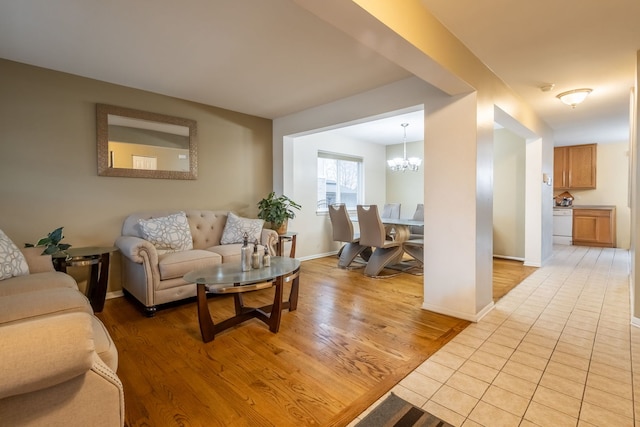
<point x="37" y="262"/>
<point x="43" y="352"/>
<point x="269" y="238"/>
<point x="137" y="249"/>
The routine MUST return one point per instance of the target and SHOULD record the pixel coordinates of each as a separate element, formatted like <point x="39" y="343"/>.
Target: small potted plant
<point x="51" y="243"/>
<point x="277" y="210"/>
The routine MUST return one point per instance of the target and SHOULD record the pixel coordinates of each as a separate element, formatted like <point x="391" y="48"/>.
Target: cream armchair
<point x="58" y="362"/>
<point x="153" y="277"/>
<point x="52" y="375"/>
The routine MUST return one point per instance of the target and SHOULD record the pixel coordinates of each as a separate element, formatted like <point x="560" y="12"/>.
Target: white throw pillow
<point x="236" y="226"/>
<point x="168" y="233"/>
<point x="12" y="261"/>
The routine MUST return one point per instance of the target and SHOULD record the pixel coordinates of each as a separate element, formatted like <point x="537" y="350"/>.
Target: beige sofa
<point x="155" y="278"/>
<point x="57" y="360"/>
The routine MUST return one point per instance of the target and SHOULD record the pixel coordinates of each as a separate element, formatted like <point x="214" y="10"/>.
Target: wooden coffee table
<point x="229" y="279"/>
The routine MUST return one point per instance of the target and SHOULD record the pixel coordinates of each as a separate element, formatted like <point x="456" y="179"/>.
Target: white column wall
<point x="455" y="282"/>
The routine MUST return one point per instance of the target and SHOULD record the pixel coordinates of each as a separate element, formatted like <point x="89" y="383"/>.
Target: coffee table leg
<point x="276" y="310"/>
<point x="293" y="295"/>
<point x="238" y="303"/>
<point x="204" y="316"/>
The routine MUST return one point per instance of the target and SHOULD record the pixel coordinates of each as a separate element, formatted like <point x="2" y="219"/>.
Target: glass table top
<point x="231" y="273"/>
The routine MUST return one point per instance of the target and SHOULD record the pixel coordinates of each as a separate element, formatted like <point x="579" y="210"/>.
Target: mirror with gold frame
<point x="140" y="144"/>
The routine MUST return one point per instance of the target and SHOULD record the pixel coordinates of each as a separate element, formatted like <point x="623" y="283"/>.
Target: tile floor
<point x="558" y="350"/>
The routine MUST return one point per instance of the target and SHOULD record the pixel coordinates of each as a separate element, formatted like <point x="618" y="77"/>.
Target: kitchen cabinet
<point x="594" y="226"/>
<point x="574" y="167"/>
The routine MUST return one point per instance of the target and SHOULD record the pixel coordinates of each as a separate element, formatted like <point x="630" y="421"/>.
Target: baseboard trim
<point x="512" y="258"/>
<point x="459" y="314"/>
<point x="315" y="256"/>
<point x="115" y="294"/>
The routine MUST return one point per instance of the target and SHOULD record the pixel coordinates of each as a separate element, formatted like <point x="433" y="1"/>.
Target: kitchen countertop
<point x="607" y="207"/>
<point x="594" y="206"/>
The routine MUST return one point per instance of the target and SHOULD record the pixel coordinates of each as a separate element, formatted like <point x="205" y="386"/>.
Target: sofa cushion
<point x="236" y="226"/>
<point x="36" y="282"/>
<point x="231" y="253"/>
<point x="12" y="261"/>
<point x="168" y="233"/>
<point x="177" y="264"/>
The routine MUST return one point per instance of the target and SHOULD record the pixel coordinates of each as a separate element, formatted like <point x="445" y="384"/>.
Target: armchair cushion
<point x="36" y="282"/>
<point x="236" y="226"/>
<point x="168" y="233"/>
<point x="45" y="351"/>
<point x="12" y="261"/>
<point x="47" y="302"/>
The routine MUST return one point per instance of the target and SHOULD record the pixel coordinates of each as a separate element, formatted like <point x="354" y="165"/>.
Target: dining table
<point x="398" y="228"/>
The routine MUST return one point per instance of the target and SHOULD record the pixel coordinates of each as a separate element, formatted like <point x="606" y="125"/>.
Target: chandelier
<point x="404" y="163"/>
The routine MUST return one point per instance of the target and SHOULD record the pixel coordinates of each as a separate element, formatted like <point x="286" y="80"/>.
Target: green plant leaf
<point x="56" y="235"/>
<point x="49" y="250"/>
<point x="45" y="241"/>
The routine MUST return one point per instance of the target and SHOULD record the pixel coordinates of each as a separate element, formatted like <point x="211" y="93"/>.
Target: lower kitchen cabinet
<point x="594" y="227"/>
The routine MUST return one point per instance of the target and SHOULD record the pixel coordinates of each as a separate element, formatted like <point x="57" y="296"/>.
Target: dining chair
<point x="415" y="248"/>
<point x="417" y="231"/>
<point x="391" y="210"/>
<point x="372" y="233"/>
<point x="343" y="232"/>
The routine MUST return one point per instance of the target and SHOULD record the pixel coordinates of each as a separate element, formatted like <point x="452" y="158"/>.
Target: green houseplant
<point x="51" y="243"/>
<point x="277" y="210"/>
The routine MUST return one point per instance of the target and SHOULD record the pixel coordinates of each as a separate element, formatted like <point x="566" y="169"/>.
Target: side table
<point x="287" y="237"/>
<point x="98" y="259"/>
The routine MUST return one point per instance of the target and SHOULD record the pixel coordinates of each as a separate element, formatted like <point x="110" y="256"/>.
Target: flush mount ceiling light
<point x="574" y="97"/>
<point x="404" y="163"/>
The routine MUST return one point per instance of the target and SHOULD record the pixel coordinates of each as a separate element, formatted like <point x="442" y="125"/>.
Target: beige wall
<point x="509" y="154"/>
<point x="612" y="187"/>
<point x="48" y="163"/>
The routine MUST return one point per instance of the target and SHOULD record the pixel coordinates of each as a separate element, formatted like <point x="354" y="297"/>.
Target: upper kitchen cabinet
<point x="574" y="167"/>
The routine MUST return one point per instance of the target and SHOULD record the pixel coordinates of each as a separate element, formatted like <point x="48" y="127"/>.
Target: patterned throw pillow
<point x="236" y="226"/>
<point x="169" y="233"/>
<point x="12" y="261"/>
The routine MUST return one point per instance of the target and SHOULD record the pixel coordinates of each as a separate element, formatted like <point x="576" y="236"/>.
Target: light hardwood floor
<point x="350" y="341"/>
<point x="507" y="274"/>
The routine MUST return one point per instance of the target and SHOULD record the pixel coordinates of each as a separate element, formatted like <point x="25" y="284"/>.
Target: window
<point x="339" y="180"/>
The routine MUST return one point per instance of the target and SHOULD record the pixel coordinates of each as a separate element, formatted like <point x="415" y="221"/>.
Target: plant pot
<point x="282" y="229"/>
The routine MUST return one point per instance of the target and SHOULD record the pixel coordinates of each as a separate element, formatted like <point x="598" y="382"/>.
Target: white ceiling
<point x="570" y="43"/>
<point x="273" y="58"/>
